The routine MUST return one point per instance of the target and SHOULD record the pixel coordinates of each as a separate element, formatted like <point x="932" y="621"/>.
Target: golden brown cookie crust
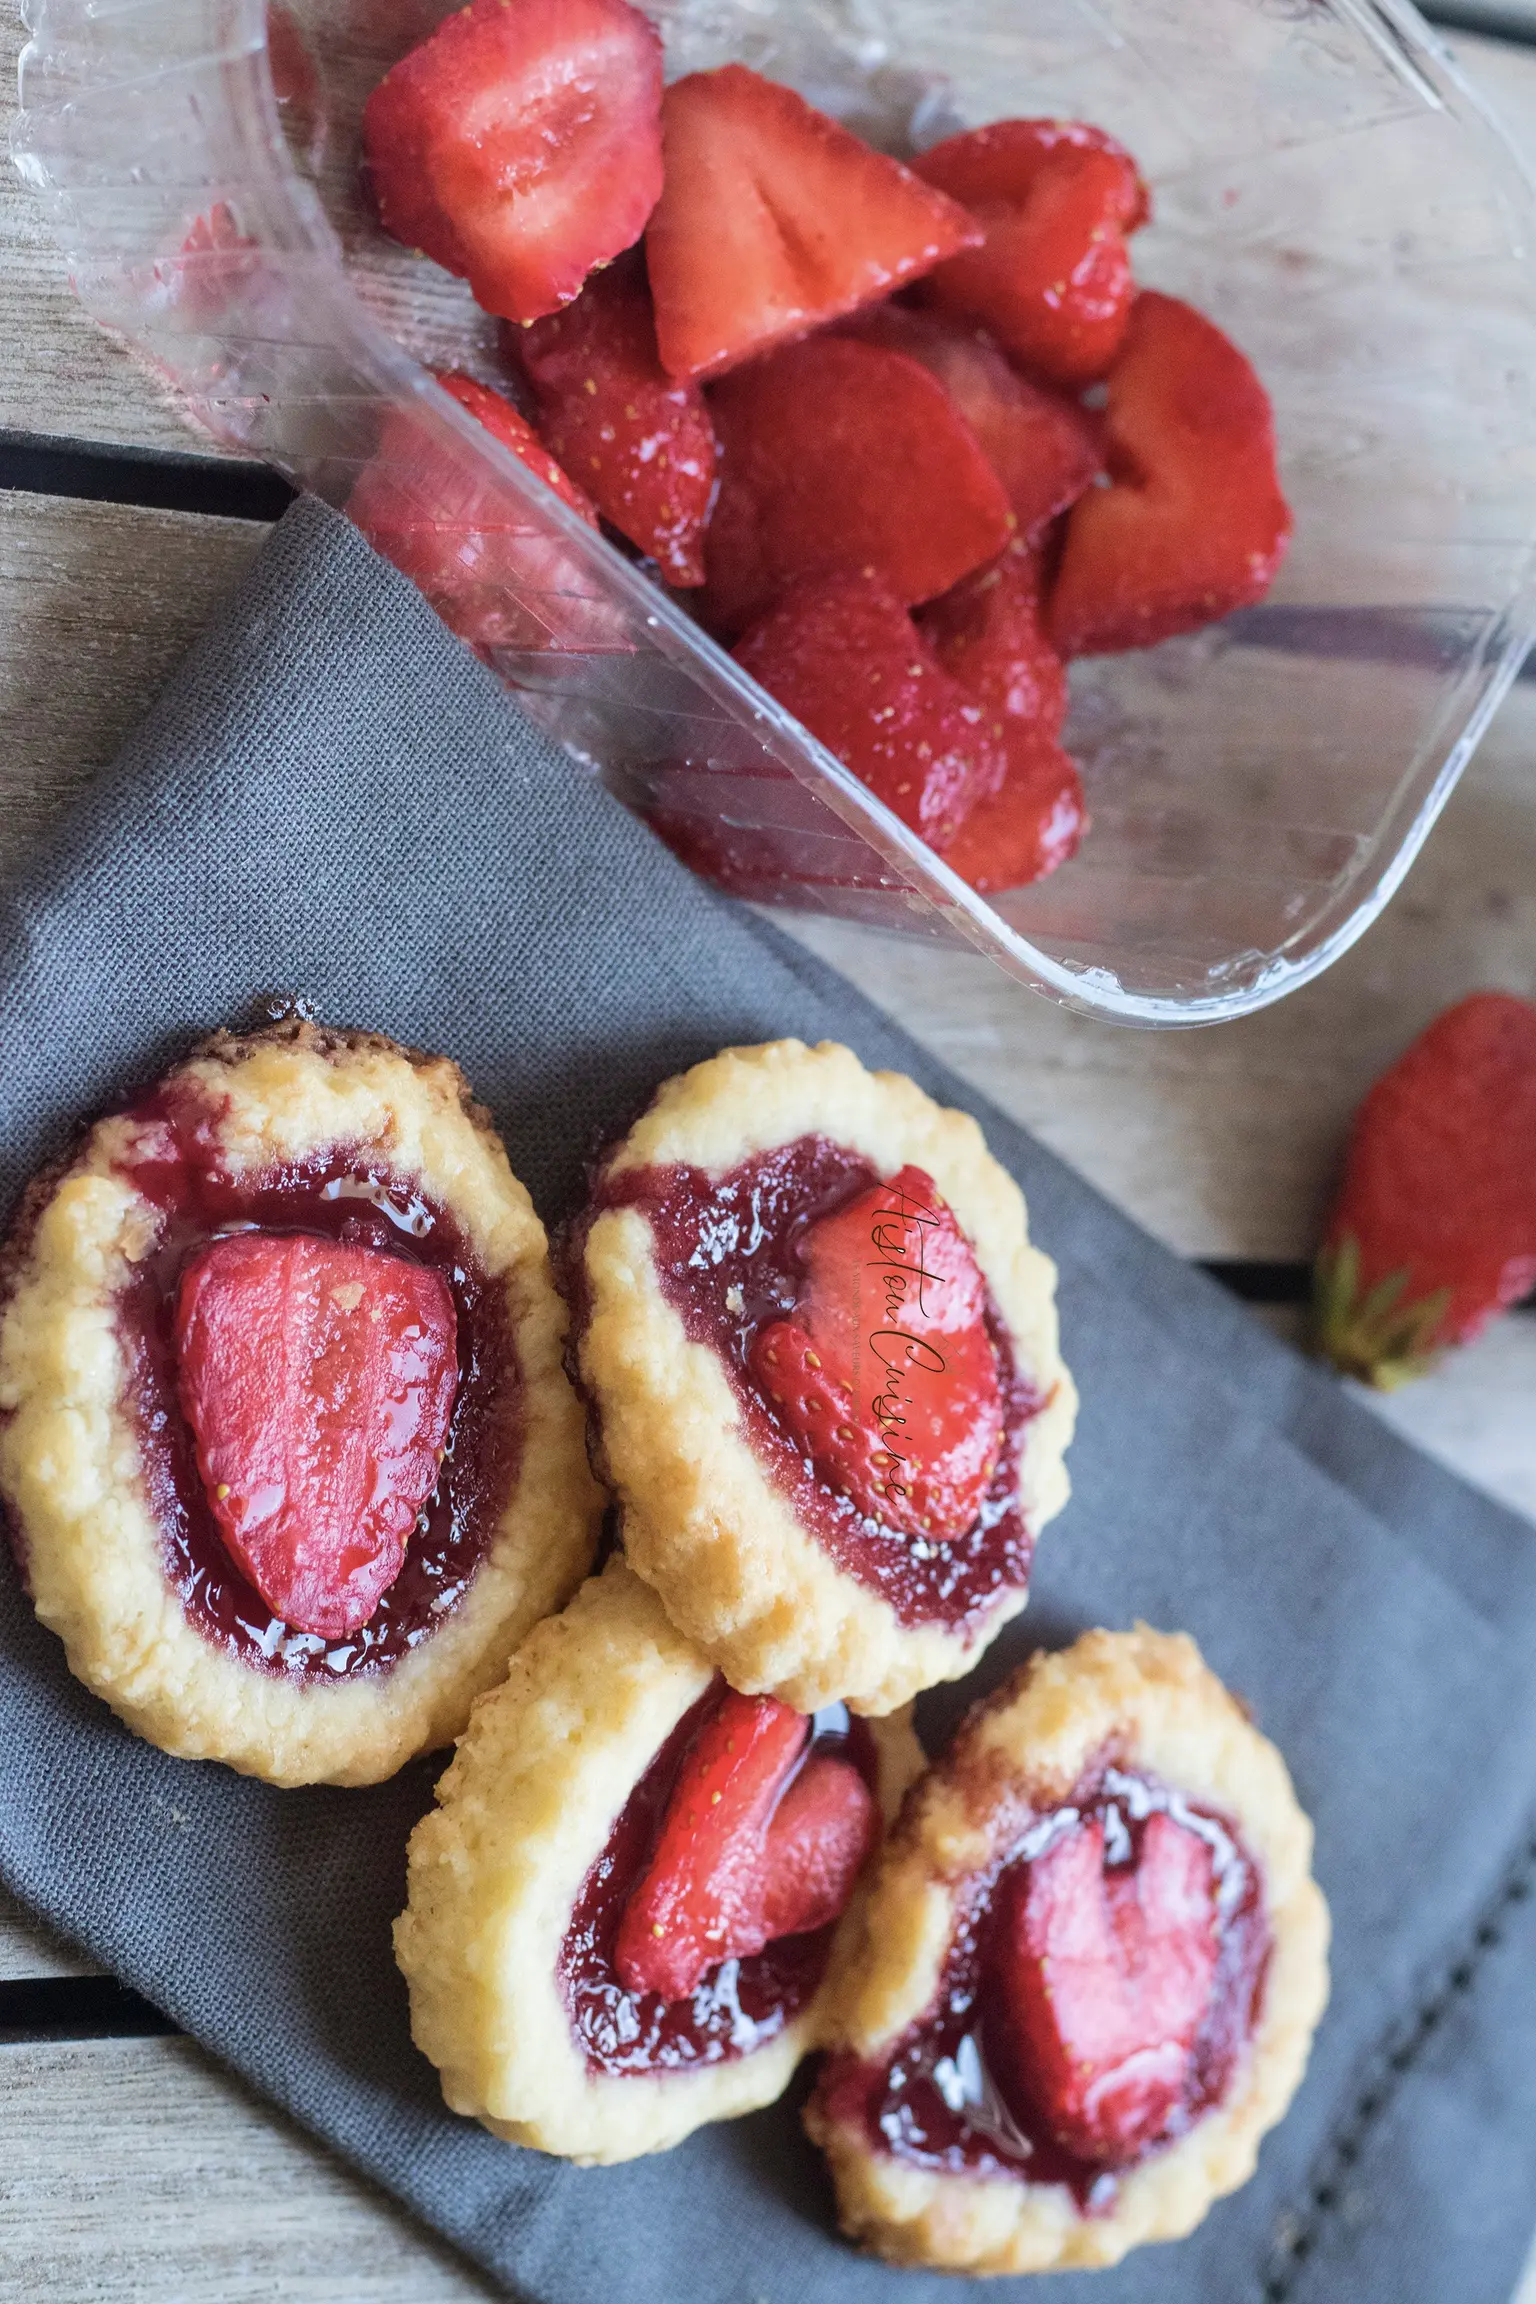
<point x="69" y="1459"/>
<point x="541" y="1775"/>
<point x="1149" y="1698"/>
<point x="704" y="1523"/>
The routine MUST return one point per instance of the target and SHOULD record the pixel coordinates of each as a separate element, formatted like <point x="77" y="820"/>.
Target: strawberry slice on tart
<point x="665" y="1867"/>
<point x="1103" y="1976"/>
<point x="1194" y="522"/>
<point x="753" y="1846"/>
<point x="318" y="1377"/>
<point x="1055" y="200"/>
<point x="1095" y="1959"/>
<point x="774" y="219"/>
<point x="886" y="1374"/>
<point x="641" y="443"/>
<point x="520" y="145"/>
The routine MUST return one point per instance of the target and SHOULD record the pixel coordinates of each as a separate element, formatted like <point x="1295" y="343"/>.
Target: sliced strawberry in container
<point x="1194" y="522"/>
<point x="1434" y="1228"/>
<point x="700" y="1900"/>
<point x="1103" y="1977"/>
<point x="319" y="1380"/>
<point x="1033" y="823"/>
<point x="1052" y="280"/>
<point x="841" y="455"/>
<point x="521" y="145"/>
<point x="774" y="219"/>
<point x="493" y="573"/>
<point x="496" y="412"/>
<point x="843" y="655"/>
<point x="885" y="1375"/>
<point x="989" y="634"/>
<point x="1043" y="445"/>
<point x="642" y="444"/>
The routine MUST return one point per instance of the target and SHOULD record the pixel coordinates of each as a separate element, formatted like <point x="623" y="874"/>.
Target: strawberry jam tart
<point x="822" y="1359"/>
<point x="1087" y="1975"/>
<point x="624" y="1906"/>
<point x="288" y="1453"/>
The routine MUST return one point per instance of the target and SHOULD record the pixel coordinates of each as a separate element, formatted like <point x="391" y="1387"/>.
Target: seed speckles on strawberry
<point x="1434" y="1228"/>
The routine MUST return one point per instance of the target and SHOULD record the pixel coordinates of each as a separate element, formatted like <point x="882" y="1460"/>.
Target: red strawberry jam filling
<point x="324" y="1384"/>
<point x="875" y="1374"/>
<point x="1098" y="1993"/>
<point x="706" y="1923"/>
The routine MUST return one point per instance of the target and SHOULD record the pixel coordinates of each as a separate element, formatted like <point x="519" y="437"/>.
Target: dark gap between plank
<point x="1256" y="1282"/>
<point x="77" y="2008"/>
<point x="157" y="479"/>
<point x="1514" y="20"/>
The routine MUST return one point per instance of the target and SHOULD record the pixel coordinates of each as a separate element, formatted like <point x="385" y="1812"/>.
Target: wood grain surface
<point x="131" y="2170"/>
<point x="138" y="2171"/>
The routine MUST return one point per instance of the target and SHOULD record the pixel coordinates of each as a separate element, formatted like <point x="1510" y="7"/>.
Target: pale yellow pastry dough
<point x="705" y="1524"/>
<point x="1148" y="1698"/>
<point x="69" y="1458"/>
<point x="540" y="1778"/>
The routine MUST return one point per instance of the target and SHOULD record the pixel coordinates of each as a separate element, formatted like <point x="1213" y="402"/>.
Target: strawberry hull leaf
<point x="1382" y="1338"/>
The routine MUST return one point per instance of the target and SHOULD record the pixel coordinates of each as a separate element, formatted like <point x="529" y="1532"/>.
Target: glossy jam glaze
<point x="738" y="2006"/>
<point x="727" y="1254"/>
<point x="943" y="2103"/>
<point x="340" y="1195"/>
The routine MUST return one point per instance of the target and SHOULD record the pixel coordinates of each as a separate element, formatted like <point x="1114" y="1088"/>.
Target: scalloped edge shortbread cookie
<point x="540" y="1778"/>
<point x="70" y="1468"/>
<point x="704" y="1522"/>
<point x="1150" y="1699"/>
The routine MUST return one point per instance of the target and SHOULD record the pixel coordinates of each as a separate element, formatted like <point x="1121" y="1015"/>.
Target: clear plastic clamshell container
<point x="1324" y="186"/>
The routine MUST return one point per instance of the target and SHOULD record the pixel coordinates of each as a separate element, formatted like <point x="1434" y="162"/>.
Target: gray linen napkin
<point x="333" y="798"/>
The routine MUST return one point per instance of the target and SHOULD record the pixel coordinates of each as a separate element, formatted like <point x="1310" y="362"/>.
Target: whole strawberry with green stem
<point x="1434" y="1228"/>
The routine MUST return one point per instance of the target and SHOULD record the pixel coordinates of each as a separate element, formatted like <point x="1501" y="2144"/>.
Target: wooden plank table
<point x="131" y="2168"/>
